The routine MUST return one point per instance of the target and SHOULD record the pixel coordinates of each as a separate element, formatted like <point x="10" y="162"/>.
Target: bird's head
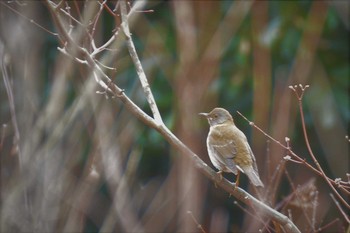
<point x="217" y="116"/>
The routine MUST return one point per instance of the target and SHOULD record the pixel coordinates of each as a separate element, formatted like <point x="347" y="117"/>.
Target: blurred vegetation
<point x="239" y="55"/>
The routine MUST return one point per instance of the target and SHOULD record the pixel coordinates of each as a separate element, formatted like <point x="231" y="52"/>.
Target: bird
<point x="228" y="147"/>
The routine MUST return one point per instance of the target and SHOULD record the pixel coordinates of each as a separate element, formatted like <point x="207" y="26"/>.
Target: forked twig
<point x="299" y="96"/>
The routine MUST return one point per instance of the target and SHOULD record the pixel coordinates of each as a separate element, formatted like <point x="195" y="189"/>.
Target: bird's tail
<point x="253" y="177"/>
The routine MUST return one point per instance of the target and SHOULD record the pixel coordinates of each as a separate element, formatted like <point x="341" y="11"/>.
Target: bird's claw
<point x="220" y="174"/>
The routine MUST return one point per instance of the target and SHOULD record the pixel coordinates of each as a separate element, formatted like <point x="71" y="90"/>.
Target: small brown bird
<point x="228" y="147"/>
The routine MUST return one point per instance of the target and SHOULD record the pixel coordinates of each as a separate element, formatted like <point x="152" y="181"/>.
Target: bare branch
<point x="30" y="20"/>
<point x="199" y="226"/>
<point x="340" y="209"/>
<point x="138" y="66"/>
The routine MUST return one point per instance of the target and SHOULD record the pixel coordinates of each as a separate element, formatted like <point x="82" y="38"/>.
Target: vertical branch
<point x="138" y="66"/>
<point x="11" y="101"/>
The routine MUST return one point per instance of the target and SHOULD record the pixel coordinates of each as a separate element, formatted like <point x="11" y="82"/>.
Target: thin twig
<point x="346" y="217"/>
<point x="107" y="67"/>
<point x="300" y="103"/>
<point x="104" y="46"/>
<point x="97" y="17"/>
<point x="199" y="226"/>
<point x="17" y="136"/>
<point x="11" y="100"/>
<point x="70" y="16"/>
<point x="3" y="133"/>
<point x="266" y="223"/>
<point x="321" y="229"/>
<point x="77" y="8"/>
<point x="29" y="20"/>
<point x="109" y="10"/>
<point x="298" y="199"/>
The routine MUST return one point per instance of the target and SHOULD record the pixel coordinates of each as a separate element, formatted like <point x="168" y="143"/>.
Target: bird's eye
<point x="215" y="115"/>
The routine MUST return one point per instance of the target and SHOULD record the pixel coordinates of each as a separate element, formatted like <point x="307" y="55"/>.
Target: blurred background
<point x="74" y="160"/>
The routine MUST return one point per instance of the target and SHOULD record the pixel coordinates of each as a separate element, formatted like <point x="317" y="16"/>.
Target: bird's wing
<point x="255" y="167"/>
<point x="226" y="151"/>
<point x="222" y="139"/>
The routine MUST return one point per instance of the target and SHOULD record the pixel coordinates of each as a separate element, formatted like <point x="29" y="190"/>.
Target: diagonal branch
<point x="140" y="72"/>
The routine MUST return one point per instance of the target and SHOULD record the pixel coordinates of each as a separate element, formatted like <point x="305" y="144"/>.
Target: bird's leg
<point x="237" y="179"/>
<point x="220" y="174"/>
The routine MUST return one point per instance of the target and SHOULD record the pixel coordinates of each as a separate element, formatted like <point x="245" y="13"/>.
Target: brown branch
<point x="97" y="17"/>
<point x="109" y="10"/>
<point x="199" y="226"/>
<point x="321" y="229"/>
<point x="340" y="209"/>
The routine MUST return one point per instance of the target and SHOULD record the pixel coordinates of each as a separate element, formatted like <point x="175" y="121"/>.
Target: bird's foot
<point x="237" y="181"/>
<point x="235" y="184"/>
<point x="220" y="174"/>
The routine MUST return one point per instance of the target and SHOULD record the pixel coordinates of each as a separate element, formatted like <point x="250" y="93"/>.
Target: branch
<point x="340" y="209"/>
<point x="28" y="19"/>
<point x="140" y="72"/>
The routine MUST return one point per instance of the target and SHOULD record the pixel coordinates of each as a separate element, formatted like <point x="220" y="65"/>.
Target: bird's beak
<point x="203" y="114"/>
